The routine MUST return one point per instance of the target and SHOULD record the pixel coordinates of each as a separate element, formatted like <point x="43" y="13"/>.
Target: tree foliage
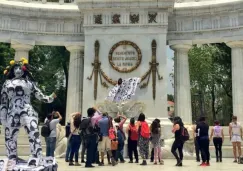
<point x="210" y="76"/>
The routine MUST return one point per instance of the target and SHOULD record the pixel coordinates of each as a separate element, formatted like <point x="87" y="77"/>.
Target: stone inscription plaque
<point x="125" y="56"/>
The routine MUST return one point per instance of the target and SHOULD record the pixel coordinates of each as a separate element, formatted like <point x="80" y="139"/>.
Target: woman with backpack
<point x="178" y="143"/>
<point x="74" y="137"/>
<point x="132" y="140"/>
<point x="144" y="135"/>
<point x="155" y="140"/>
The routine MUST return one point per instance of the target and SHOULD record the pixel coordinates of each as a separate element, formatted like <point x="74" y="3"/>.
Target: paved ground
<point x="188" y="165"/>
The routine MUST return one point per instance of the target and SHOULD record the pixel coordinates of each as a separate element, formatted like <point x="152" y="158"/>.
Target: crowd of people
<point x="100" y="135"/>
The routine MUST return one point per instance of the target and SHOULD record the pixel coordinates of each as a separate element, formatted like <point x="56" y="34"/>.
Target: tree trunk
<point x="213" y="102"/>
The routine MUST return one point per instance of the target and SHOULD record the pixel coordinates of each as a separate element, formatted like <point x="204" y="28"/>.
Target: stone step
<point x="23" y="150"/>
<point x="227" y="151"/>
<point x="22" y="140"/>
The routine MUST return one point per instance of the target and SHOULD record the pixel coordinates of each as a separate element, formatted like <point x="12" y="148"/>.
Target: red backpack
<point x="133" y="133"/>
<point x="112" y="135"/>
<point x="145" y="130"/>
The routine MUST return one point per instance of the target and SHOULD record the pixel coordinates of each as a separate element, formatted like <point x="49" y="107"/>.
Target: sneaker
<point x="66" y="160"/>
<point x="89" y="166"/>
<point x="235" y="161"/>
<point x="123" y="161"/>
<point x="155" y="163"/>
<point x="207" y="164"/>
<point x="101" y="164"/>
<point x="203" y="164"/>
<point x="161" y="162"/>
<point x="82" y="161"/>
<point x="77" y="164"/>
<point x="136" y="161"/>
<point x="144" y="163"/>
<point x="113" y="161"/>
<point x="71" y="164"/>
<point x="130" y="162"/>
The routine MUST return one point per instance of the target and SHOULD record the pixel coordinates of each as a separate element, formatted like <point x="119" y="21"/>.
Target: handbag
<point x="114" y="145"/>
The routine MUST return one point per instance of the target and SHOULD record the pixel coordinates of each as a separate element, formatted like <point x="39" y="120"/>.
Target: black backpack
<point x="184" y="134"/>
<point x="46" y="130"/>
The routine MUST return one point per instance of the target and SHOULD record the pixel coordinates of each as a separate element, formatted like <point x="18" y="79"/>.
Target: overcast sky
<point x="170" y="66"/>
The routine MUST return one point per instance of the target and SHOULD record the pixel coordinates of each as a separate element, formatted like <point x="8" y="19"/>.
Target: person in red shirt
<point x="132" y="140"/>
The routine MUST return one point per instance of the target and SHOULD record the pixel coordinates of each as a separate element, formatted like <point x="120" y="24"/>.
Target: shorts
<point x="105" y="144"/>
<point x="236" y="138"/>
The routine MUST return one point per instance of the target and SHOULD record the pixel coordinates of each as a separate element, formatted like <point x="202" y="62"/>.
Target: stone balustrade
<point x="46" y="1"/>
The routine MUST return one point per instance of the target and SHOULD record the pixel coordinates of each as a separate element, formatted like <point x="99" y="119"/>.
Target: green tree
<point x="170" y="97"/>
<point x="210" y="74"/>
<point x="50" y="70"/>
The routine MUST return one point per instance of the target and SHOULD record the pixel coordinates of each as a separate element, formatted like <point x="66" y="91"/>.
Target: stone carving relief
<point x="41" y="26"/>
<point x="152" y="17"/>
<point x="23" y="25"/>
<point x="77" y="27"/>
<point x="98" y="19"/>
<point x="197" y="24"/>
<point x="215" y="23"/>
<point x="234" y="21"/>
<point x="134" y="18"/>
<point x="153" y="71"/>
<point x="179" y="26"/>
<point x="5" y="23"/>
<point x="59" y="27"/>
<point x="116" y="19"/>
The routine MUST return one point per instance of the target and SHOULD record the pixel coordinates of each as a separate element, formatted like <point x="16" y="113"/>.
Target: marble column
<point x="21" y="50"/>
<point x="237" y="78"/>
<point x="182" y="83"/>
<point x="75" y="80"/>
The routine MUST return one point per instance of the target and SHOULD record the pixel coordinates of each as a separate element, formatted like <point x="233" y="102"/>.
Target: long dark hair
<point x="141" y="117"/>
<point x="178" y="120"/>
<point x="155" y="127"/>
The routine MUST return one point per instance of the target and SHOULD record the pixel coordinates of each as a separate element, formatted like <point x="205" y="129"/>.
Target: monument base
<point x="33" y="164"/>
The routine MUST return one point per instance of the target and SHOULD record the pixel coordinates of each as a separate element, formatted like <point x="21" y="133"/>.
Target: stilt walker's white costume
<point x="16" y="110"/>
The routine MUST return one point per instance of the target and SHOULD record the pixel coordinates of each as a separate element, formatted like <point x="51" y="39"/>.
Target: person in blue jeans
<point x="68" y="131"/>
<point x="75" y="138"/>
<point x="119" y="151"/>
<point x="51" y="140"/>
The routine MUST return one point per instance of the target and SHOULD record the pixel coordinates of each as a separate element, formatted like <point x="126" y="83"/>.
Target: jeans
<point x="119" y="152"/>
<point x="75" y="142"/>
<point x="178" y="144"/>
<point x="197" y="149"/>
<point x="68" y="152"/>
<point x="50" y="146"/>
<point x="132" y="148"/>
<point x="204" y="147"/>
<point x="217" y="141"/>
<point x="90" y="145"/>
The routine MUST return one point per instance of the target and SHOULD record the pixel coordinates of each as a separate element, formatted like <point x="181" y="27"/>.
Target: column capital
<point x="23" y="45"/>
<point x="79" y="46"/>
<point x="181" y="47"/>
<point x="235" y="44"/>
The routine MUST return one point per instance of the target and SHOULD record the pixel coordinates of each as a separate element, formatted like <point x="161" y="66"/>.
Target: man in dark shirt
<point x="203" y="139"/>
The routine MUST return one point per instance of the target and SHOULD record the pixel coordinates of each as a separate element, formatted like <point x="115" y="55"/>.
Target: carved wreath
<point x="125" y="70"/>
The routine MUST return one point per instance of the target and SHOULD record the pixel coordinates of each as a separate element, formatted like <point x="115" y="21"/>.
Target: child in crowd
<point x="120" y="149"/>
<point x="155" y="140"/>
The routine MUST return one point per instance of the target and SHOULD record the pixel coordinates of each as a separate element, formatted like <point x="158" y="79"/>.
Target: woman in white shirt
<point x="218" y="138"/>
<point x="235" y="133"/>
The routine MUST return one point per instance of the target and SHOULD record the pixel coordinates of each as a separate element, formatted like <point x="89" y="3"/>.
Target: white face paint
<point x="18" y="72"/>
